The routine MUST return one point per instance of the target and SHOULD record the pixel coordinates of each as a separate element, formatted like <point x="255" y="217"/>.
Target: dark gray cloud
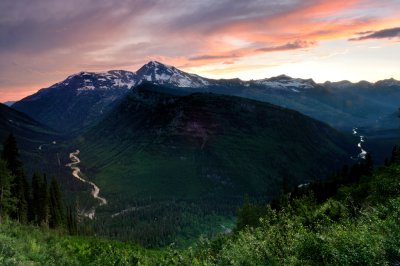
<point x="288" y="46"/>
<point x="209" y="15"/>
<point x="212" y="57"/>
<point x="29" y="27"/>
<point x="380" y="34"/>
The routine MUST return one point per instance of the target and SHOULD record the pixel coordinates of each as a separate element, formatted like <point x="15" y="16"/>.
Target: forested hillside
<point x="356" y="223"/>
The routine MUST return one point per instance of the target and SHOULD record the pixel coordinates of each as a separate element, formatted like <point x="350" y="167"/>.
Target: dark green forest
<point x="351" y="218"/>
<point x="36" y="200"/>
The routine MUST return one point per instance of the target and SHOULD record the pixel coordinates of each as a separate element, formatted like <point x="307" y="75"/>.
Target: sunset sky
<point x="44" y="41"/>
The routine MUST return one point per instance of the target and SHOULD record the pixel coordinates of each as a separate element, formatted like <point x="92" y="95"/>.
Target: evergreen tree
<point x="40" y="199"/>
<point x="36" y="186"/>
<point x="19" y="187"/>
<point x="72" y="223"/>
<point x="368" y="165"/>
<point x="10" y="154"/>
<point x="20" y="192"/>
<point x="7" y="203"/>
<point x="56" y="207"/>
<point x="247" y="215"/>
<point x="395" y="154"/>
<point x="44" y="214"/>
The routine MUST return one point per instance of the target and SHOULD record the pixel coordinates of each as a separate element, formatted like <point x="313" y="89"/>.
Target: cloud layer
<point x="380" y="34"/>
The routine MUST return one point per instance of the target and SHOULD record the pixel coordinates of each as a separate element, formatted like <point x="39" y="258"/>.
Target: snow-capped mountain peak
<point x="157" y="72"/>
<point x="88" y="81"/>
<point x="287" y="83"/>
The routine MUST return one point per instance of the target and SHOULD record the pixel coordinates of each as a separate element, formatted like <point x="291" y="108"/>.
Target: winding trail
<point x="363" y="152"/>
<point x="76" y="172"/>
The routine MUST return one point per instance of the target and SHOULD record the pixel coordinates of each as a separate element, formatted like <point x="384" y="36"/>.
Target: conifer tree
<point x="44" y="196"/>
<point x="71" y="218"/>
<point x="10" y="154"/>
<point x="7" y="203"/>
<point x="20" y="191"/>
<point x="395" y="154"/>
<point x="368" y="165"/>
<point x="40" y="199"/>
<point x="56" y="207"/>
<point x="19" y="187"/>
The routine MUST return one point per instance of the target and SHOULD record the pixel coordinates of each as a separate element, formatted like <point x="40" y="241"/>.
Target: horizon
<point x="99" y="72"/>
<point x="44" y="42"/>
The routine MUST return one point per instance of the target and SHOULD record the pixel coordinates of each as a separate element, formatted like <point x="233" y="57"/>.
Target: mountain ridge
<point x="83" y="98"/>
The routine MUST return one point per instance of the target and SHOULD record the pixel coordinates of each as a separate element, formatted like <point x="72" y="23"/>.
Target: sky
<point x="44" y="41"/>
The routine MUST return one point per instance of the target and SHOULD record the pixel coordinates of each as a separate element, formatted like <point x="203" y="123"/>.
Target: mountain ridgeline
<point x="82" y="99"/>
<point x="158" y="144"/>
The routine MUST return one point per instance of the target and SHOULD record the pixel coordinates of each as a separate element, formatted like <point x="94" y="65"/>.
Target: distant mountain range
<point x="83" y="98"/>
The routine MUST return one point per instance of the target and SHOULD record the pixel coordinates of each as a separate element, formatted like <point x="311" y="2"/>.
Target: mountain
<point x="77" y="101"/>
<point x="159" y="73"/>
<point x="31" y="136"/>
<point x="28" y="132"/>
<point x="211" y="139"/>
<point x="159" y="146"/>
<point x="82" y="99"/>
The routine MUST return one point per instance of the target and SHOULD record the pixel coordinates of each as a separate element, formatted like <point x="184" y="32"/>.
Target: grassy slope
<point x="28" y="245"/>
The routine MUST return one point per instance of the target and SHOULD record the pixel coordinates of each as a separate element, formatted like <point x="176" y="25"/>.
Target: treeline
<point x="37" y="202"/>
<point x="156" y="224"/>
<point x="357" y="225"/>
<point x="249" y="214"/>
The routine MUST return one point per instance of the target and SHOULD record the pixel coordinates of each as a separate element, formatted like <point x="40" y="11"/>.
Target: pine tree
<point x="368" y="165"/>
<point x="19" y="186"/>
<point x="247" y="214"/>
<point x="36" y="186"/>
<point x="395" y="154"/>
<point x="20" y="191"/>
<point x="44" y="214"/>
<point x="7" y="203"/>
<point x="40" y="199"/>
<point x="56" y="207"/>
<point x="72" y="223"/>
<point x="10" y="154"/>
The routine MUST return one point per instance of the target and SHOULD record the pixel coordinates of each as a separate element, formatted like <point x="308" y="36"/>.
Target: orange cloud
<point x="300" y="27"/>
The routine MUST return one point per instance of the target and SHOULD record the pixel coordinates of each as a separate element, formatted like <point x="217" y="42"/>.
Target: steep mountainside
<point x="30" y="135"/>
<point x="166" y="162"/>
<point x="78" y="101"/>
<point x="160" y="145"/>
<point x="27" y="131"/>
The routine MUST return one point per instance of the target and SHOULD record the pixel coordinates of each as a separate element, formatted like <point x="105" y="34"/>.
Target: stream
<point x="76" y="172"/>
<point x="363" y="152"/>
